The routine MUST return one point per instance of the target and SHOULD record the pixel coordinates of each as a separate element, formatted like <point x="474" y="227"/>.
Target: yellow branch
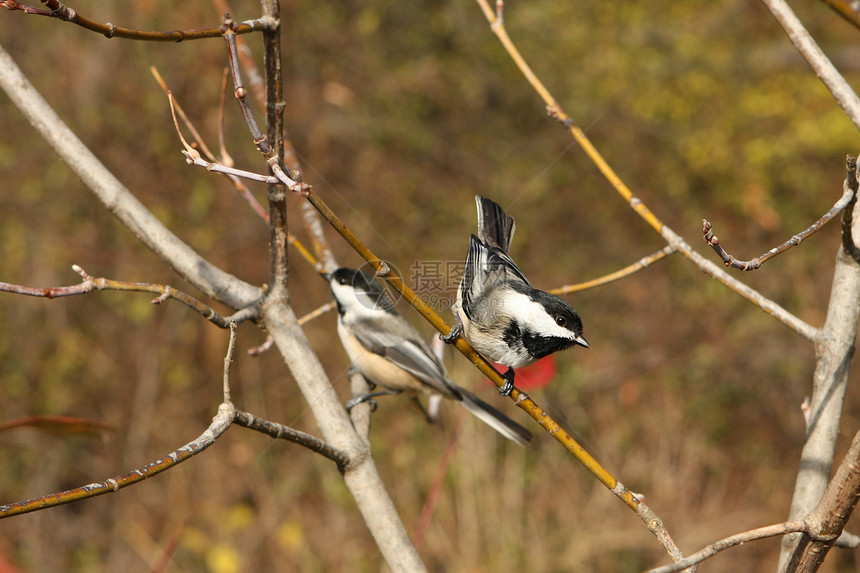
<point x="619" y="274"/>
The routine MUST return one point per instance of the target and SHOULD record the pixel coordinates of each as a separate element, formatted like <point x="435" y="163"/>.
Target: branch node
<point x="384" y="270"/>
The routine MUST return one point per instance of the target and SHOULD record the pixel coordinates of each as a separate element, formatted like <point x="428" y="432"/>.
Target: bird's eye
<point x="561" y="321"/>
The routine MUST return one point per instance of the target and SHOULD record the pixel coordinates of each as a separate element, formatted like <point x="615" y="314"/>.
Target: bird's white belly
<point x="377" y="369"/>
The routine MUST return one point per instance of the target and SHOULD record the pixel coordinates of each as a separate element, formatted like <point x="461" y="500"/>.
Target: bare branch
<point x="281" y="432"/>
<point x="729" y="542"/>
<point x="62" y="12"/>
<point x="848" y="197"/>
<point x="711" y="269"/>
<point x="620" y="274"/>
<point x="257" y="350"/>
<point x="226" y="159"/>
<point x="176" y="110"/>
<point x="90" y="284"/>
<point x="228" y="362"/>
<point x="193" y="157"/>
<point x="284" y="174"/>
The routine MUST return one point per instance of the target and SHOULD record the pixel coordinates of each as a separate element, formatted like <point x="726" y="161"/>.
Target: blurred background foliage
<point x="402" y="111"/>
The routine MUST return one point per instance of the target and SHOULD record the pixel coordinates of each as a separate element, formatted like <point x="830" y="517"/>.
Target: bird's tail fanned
<point x="495" y="227"/>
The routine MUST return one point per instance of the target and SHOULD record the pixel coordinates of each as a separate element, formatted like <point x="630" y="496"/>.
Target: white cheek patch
<point x="355" y="302"/>
<point x="533" y="316"/>
<point x="342" y="293"/>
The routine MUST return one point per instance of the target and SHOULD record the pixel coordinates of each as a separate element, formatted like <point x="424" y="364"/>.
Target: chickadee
<point x="389" y="352"/>
<point x="498" y="312"/>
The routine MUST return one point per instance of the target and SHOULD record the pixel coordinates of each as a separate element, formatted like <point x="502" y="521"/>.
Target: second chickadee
<point x="498" y="312"/>
<point x="389" y="352"/>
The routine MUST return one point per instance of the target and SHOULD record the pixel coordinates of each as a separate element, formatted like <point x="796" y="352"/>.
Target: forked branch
<point x="846" y="200"/>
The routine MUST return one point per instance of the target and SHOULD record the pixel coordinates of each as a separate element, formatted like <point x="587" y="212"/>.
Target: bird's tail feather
<point x="495" y="227"/>
<point x="494" y="418"/>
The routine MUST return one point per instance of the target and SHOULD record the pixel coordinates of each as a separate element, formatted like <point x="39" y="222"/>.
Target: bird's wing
<point x="486" y="266"/>
<point x="409" y="353"/>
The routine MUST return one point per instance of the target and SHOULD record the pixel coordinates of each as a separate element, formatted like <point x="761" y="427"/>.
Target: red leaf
<point x="61" y="425"/>
<point x="536" y="375"/>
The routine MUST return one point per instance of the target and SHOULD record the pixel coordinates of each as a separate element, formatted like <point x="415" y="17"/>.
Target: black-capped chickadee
<point x="498" y="312"/>
<point x="390" y="352"/>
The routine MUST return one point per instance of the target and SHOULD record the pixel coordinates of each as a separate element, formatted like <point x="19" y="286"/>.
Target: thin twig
<point x="317" y="312"/>
<point x="848" y="198"/>
<point x="176" y="110"/>
<point x="193" y="157"/>
<point x="270" y="152"/>
<point x="228" y="362"/>
<point x="90" y="284"/>
<point x="281" y="432"/>
<point x="265" y="347"/>
<point x="620" y="274"/>
<point x="62" y="12"/>
<point x="732" y="541"/>
<point x="303" y="251"/>
<point x="226" y="159"/>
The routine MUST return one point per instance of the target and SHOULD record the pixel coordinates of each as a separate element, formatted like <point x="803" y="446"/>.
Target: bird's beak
<point x="326" y="276"/>
<point x="581" y="341"/>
